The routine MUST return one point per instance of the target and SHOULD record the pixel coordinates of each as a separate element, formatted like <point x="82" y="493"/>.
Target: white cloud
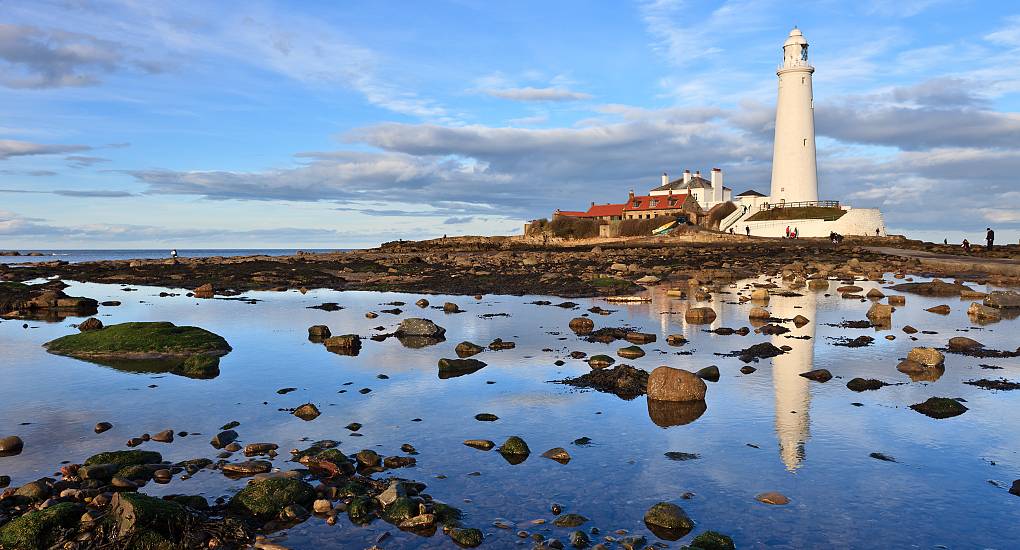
<point x="16" y="148"/>
<point x="529" y="93"/>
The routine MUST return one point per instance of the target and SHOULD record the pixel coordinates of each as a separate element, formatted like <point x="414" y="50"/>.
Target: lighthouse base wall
<point x="856" y="221"/>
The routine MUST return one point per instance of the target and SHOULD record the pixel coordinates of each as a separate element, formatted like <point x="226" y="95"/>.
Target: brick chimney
<point x="630" y="196"/>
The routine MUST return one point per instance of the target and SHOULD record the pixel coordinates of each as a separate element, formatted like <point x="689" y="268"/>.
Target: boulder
<point x="940" y="407"/>
<point x="204" y="291"/>
<point x="467" y="349"/>
<point x="40" y="528"/>
<point x="582" y="325"/>
<point x="818" y="375"/>
<point x="420" y="327"/>
<point x="758" y="313"/>
<point x="962" y="343"/>
<point x="640" y="337"/>
<point x="318" y="332"/>
<point x="984" y="313"/>
<point x="710" y="373"/>
<point x="897" y="300"/>
<point x="11" y="445"/>
<point x="90" y="324"/>
<point x="772" y="497"/>
<point x="879" y="313"/>
<point x="265" y="499"/>
<point x="137" y="513"/>
<point x="670" y="384"/>
<point x="760" y="295"/>
<point x="865" y="384"/>
<point x="452" y="368"/>
<point x="800" y="321"/>
<point x="631" y="352"/>
<point x="1003" y="299"/>
<point x="514" y="445"/>
<point x="929" y="357"/>
<point x="699" y="315"/>
<point x="942" y="309"/>
<point x="350" y="343"/>
<point x="668" y="521"/>
<point x="875" y="294"/>
<point x="600" y="361"/>
<point x="307" y="412"/>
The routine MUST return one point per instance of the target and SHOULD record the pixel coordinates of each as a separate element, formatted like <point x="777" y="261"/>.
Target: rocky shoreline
<point x="495" y="265"/>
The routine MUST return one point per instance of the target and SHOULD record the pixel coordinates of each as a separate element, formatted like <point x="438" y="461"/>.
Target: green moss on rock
<point x="125" y="458"/>
<point x="940" y="407"/>
<point x="361" y="510"/>
<point x="267" y="498"/>
<point x="514" y="445"/>
<point x="200" y="366"/>
<point x="39" y="529"/>
<point x="447" y="515"/>
<point x="468" y="538"/>
<point x="140" y="340"/>
<point x="712" y="540"/>
<point x="400" y="509"/>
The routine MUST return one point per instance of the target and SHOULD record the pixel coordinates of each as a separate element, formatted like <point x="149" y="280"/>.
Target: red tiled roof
<point x="571" y="213"/>
<point x="662" y="201"/>
<point x="599" y="210"/>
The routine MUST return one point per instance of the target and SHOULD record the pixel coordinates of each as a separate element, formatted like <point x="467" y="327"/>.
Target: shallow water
<point x="811" y="442"/>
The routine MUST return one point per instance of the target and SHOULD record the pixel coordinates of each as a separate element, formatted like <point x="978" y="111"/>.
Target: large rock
<point x="929" y="357"/>
<point x="415" y="326"/>
<point x="699" y="315"/>
<point x="39" y="528"/>
<point x="962" y="343"/>
<point x="140" y="341"/>
<point x="307" y="412"/>
<point x="933" y="288"/>
<point x="940" y="407"/>
<point x="90" y="324"/>
<point x="582" y="325"/>
<point x="760" y="295"/>
<point x="880" y="313"/>
<point x="1003" y="299"/>
<point x="668" y="521"/>
<point x="669" y="384"/>
<point x="983" y="313"/>
<point x="11" y="445"/>
<point x="265" y="499"/>
<point x="452" y="368"/>
<point x="138" y="513"/>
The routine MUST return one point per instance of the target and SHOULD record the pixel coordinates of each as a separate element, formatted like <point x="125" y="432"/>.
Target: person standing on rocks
<point x="173" y="253"/>
<point x="990" y="237"/>
<point x="747" y="228"/>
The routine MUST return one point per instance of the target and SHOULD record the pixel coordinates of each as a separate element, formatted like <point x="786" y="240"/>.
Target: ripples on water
<point x="768" y="431"/>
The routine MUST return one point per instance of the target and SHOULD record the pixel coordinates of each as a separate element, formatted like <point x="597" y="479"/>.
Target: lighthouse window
<point x="805" y="142"/>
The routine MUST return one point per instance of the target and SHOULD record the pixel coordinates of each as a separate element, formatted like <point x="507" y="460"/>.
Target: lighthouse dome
<point x="796" y="37"/>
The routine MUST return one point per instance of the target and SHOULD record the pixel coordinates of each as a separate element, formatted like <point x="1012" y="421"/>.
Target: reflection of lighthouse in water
<point x="793" y="394"/>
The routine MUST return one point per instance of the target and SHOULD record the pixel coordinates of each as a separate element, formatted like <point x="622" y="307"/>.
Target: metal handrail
<point x="802" y="204"/>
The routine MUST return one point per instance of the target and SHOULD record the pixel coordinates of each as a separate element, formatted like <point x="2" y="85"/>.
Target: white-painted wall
<point x="856" y="221"/>
<point x="794" y="169"/>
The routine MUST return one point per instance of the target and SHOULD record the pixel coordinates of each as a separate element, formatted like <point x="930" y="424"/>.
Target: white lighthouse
<point x="794" y="172"/>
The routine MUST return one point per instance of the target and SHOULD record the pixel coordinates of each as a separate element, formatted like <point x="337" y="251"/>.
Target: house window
<point x="636" y="204"/>
<point x="654" y="203"/>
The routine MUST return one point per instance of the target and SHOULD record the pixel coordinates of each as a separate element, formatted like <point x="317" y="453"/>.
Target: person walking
<point x="747" y="228"/>
<point x="876" y="232"/>
<point x="173" y="253"/>
<point x="990" y="237"/>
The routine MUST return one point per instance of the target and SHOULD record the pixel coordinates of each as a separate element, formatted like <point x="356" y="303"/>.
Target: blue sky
<point x="327" y="124"/>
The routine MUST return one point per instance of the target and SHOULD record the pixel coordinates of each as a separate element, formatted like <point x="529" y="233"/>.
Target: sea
<point x="75" y="256"/>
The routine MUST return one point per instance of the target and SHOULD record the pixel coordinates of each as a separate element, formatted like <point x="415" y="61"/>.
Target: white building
<point x="708" y="193"/>
<point x="794" y="170"/>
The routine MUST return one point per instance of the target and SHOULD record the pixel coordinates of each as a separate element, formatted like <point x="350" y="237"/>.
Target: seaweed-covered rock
<point x="570" y="520"/>
<point x="600" y="361"/>
<point x="466" y="537"/>
<point x="159" y="340"/>
<point x="125" y="458"/>
<point x="933" y="288"/>
<point x="514" y="445"/>
<point x="668" y="521"/>
<point x="265" y="499"/>
<point x="135" y="513"/>
<point x="623" y="380"/>
<point x="361" y="510"/>
<point x="865" y="384"/>
<point x="40" y="528"/>
<point x="307" y="412"/>
<point x="712" y="540"/>
<point x="631" y="352"/>
<point x="940" y="407"/>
